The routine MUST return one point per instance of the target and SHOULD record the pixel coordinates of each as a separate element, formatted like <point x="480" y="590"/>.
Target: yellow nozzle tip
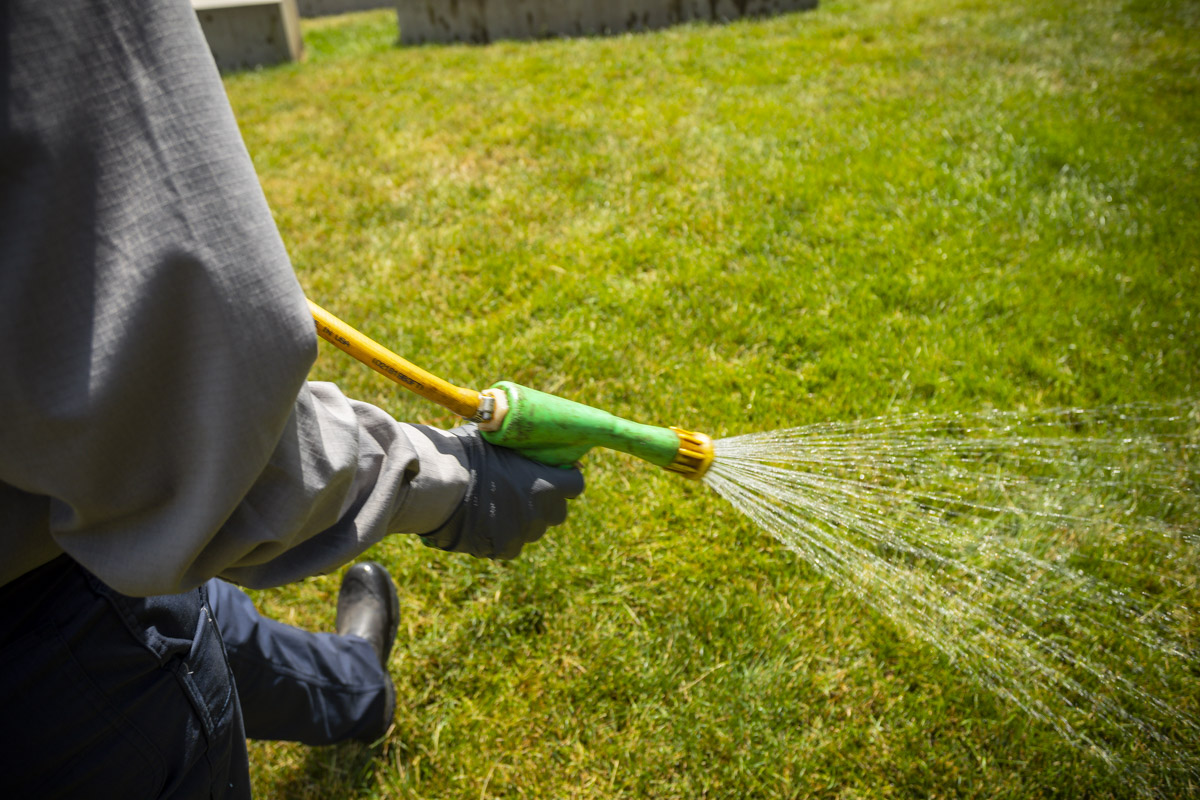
<point x="695" y="454"/>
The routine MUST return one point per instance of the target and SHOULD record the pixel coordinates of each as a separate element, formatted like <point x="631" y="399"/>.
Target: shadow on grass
<point x="337" y="771"/>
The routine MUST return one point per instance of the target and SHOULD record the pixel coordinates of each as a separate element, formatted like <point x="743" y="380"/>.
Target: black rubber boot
<point x="369" y="608"/>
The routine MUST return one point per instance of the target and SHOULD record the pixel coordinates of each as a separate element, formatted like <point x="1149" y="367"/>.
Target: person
<point x="160" y="441"/>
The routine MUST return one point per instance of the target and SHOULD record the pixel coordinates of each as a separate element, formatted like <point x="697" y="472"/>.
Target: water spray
<point x="549" y="429"/>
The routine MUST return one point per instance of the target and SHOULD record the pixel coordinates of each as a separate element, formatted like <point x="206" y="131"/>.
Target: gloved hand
<point x="510" y="501"/>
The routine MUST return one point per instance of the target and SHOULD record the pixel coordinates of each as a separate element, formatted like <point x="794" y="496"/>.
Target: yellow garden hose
<point x="466" y="403"/>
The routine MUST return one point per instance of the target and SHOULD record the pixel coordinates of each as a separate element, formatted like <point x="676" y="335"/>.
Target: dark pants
<point x="103" y="695"/>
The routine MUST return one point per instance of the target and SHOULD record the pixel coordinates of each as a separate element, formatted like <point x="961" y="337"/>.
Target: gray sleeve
<point x="156" y="342"/>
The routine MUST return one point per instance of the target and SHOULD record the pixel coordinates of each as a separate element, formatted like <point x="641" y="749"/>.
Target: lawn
<point x="875" y="207"/>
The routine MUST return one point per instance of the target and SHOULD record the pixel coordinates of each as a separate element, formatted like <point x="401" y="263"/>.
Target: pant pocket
<point x="179" y="690"/>
<point x="206" y="677"/>
<point x="209" y="684"/>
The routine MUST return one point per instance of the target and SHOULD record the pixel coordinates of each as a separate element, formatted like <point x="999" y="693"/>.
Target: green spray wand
<point x="546" y="428"/>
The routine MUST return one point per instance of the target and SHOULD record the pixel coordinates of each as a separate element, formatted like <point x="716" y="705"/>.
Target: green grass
<point x="872" y="207"/>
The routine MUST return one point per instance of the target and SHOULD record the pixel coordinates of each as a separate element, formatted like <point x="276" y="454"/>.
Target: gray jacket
<point x="155" y="420"/>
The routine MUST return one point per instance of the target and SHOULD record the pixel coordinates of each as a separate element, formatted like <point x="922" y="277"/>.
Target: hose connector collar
<point x="695" y="454"/>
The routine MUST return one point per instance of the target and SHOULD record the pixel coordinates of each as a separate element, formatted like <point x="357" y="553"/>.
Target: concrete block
<point x="482" y="21"/>
<point x="324" y="8"/>
<point x="243" y="34"/>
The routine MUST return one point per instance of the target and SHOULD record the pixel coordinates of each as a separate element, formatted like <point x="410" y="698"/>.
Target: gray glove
<point x="510" y="500"/>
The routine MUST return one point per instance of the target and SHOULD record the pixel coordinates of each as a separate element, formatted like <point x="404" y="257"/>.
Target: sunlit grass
<point x="870" y="207"/>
